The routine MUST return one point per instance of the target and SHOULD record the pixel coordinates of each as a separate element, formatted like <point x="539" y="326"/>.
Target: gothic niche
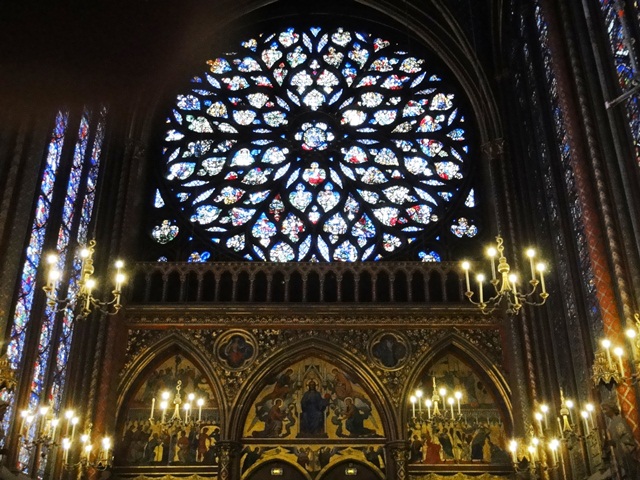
<point x="172" y="419"/>
<point x="304" y="414"/>
<point x="465" y="430"/>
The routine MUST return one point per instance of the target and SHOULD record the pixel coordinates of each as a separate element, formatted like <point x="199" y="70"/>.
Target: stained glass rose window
<point x="315" y="145"/>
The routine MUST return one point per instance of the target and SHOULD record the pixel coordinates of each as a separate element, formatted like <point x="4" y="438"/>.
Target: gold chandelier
<point x="508" y="291"/>
<point x="83" y="300"/>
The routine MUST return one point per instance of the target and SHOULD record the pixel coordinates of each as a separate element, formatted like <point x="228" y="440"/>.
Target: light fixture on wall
<point x="83" y="299"/>
<point x="509" y="291"/>
<point x="608" y="363"/>
<point x="41" y="431"/>
<point x="550" y="437"/>
<point x="438" y="407"/>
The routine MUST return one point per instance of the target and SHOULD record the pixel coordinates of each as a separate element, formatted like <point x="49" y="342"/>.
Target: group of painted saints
<point x="459" y="441"/>
<point x="342" y="402"/>
<point x="144" y="443"/>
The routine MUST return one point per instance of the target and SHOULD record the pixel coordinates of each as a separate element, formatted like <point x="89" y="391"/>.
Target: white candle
<point x="541" y="269"/>
<point x="618" y="351"/>
<point x="538" y="417"/>
<point x="412" y="399"/>
<point x="163" y="405"/>
<point x="153" y="407"/>
<point x="492" y="254"/>
<point x="200" y="404"/>
<point x="545" y="409"/>
<point x="531" y="253"/>
<point x="74" y="422"/>
<point x="480" y="279"/>
<point x="54" y="426"/>
<point x="419" y="400"/>
<point x="458" y="397"/>
<point x="451" y="402"/>
<point x="465" y="267"/>
<point x="513" y="447"/>
<point x="606" y="343"/>
<point x="590" y="409"/>
<point x="428" y="404"/>
<point x="585" y="416"/>
<point x="560" y="425"/>
<point x="66" y="445"/>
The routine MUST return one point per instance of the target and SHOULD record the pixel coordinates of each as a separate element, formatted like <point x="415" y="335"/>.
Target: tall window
<point x="62" y="215"/>
<point x="316" y="145"/>
<point x="622" y="19"/>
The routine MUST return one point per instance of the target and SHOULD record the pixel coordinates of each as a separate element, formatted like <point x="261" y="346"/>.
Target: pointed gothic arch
<point x="314" y="348"/>
<point x="477" y="360"/>
<point x="135" y="410"/>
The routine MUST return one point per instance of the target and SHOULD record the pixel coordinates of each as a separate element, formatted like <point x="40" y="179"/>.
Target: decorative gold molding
<point x="458" y="476"/>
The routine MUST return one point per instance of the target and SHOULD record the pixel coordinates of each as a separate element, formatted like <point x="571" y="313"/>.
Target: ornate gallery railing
<point x="392" y="282"/>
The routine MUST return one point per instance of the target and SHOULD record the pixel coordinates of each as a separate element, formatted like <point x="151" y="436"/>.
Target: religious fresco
<point x="466" y="428"/>
<point x="312" y="459"/>
<point x="172" y="419"/>
<point x="313" y="399"/>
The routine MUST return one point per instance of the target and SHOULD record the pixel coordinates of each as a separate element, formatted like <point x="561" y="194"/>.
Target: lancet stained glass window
<point x="76" y="184"/>
<point x="316" y="145"/>
<point x="616" y="19"/>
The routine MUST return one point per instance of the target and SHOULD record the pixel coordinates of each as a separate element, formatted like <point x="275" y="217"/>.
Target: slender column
<point x="229" y="466"/>
<point x="398" y="452"/>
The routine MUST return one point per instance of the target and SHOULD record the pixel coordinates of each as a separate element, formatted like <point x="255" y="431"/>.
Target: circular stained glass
<point x="316" y="145"/>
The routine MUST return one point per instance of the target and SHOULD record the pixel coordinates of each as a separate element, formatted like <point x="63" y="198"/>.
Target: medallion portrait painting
<point x="457" y="419"/>
<point x="313" y="399"/>
<point x="172" y="419"/>
<point x="236" y="349"/>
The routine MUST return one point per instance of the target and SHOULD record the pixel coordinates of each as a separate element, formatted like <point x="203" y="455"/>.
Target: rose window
<point x="315" y="145"/>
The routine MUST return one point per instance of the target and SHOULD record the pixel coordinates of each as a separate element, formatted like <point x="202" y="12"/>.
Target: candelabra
<point x="505" y="284"/>
<point x="41" y="432"/>
<point x="85" y="456"/>
<point x="541" y="451"/>
<point x="176" y="420"/>
<point x="436" y="407"/>
<point x="83" y="296"/>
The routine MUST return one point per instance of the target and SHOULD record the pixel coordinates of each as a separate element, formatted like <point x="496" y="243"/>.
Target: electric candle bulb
<point x="458" y="396"/>
<point x="52" y="259"/>
<point x="631" y="333"/>
<point x="165" y="395"/>
<point x="119" y="264"/>
<point x="200" y="404"/>
<point x="541" y="267"/>
<point x="465" y="267"/>
<point x="492" y="252"/>
<point x="531" y="253"/>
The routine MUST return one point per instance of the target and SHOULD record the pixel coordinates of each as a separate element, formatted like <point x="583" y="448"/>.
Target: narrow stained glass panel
<point x="27" y="288"/>
<point x="616" y="23"/>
